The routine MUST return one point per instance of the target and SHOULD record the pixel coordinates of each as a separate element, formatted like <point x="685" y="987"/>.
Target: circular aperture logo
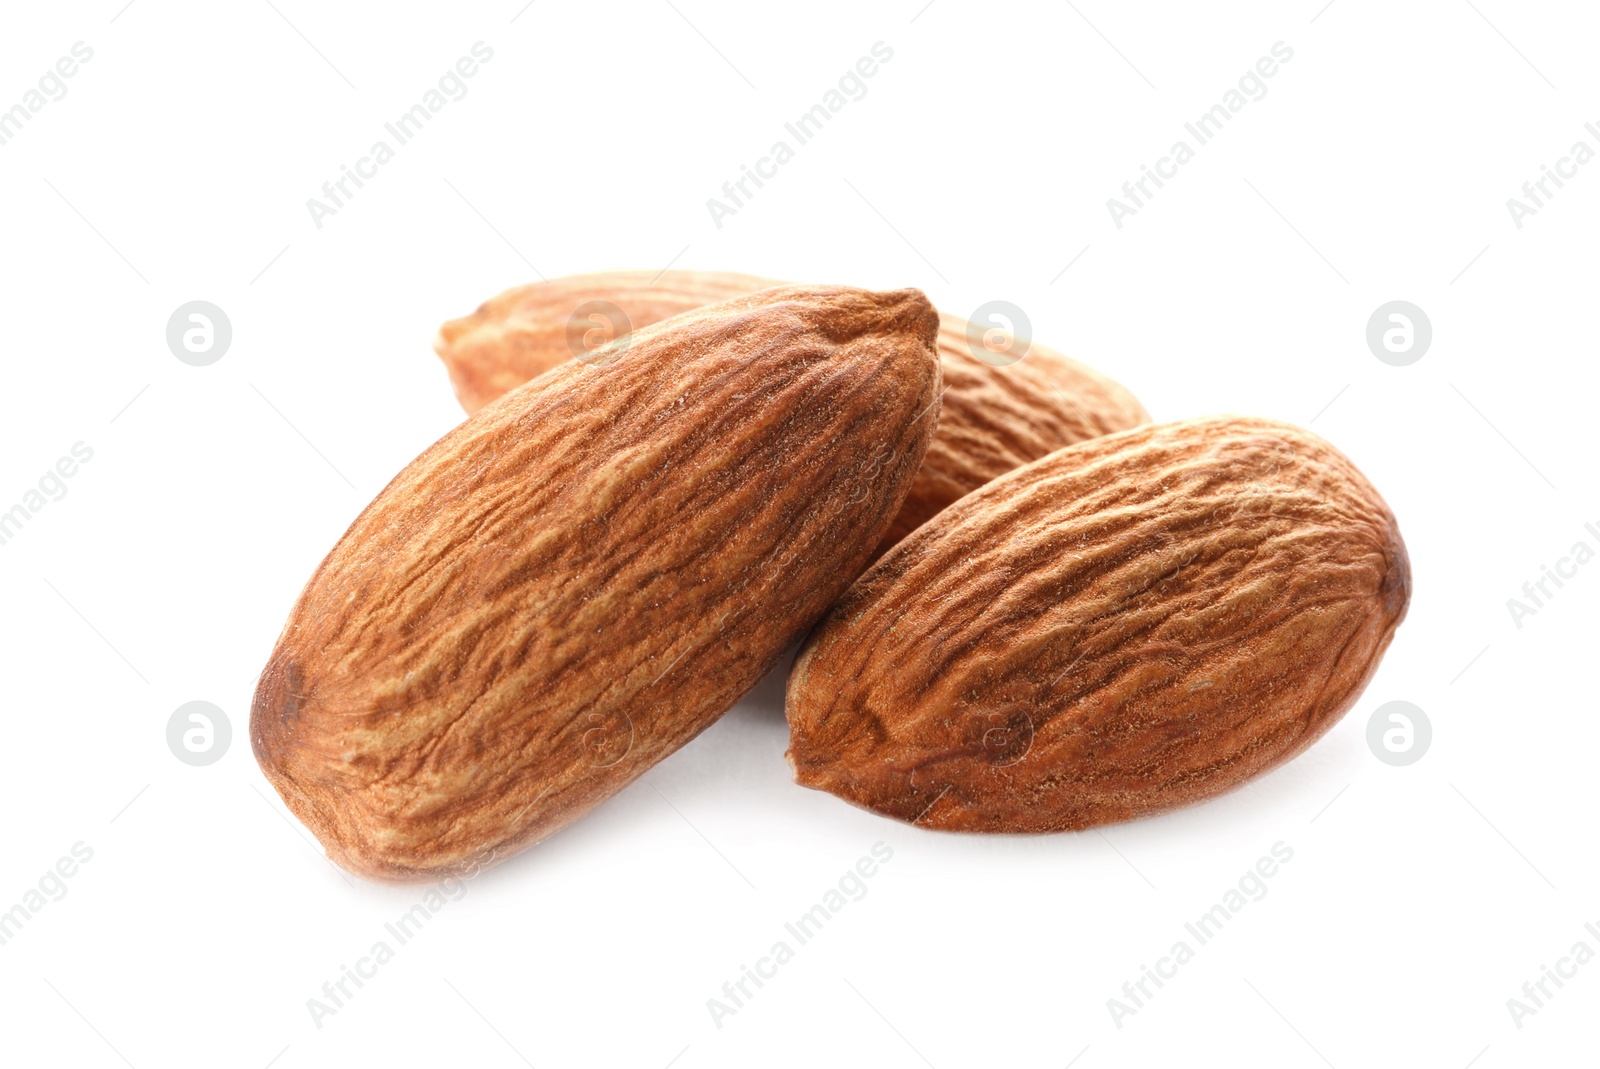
<point x="198" y="733"/>
<point x="597" y="332"/>
<point x="1399" y="333"/>
<point x="199" y="333"/>
<point x="998" y="333"/>
<point x="1399" y="733"/>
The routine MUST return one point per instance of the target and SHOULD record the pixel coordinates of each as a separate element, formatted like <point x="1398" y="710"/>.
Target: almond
<point x="586" y="574"/>
<point x="526" y="331"/>
<point x="993" y="419"/>
<point x="1135" y="623"/>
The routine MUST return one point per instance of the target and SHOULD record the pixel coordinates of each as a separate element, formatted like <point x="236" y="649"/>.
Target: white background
<point x="978" y="165"/>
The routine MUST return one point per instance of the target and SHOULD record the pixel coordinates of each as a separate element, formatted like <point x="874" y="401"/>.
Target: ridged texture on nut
<point x="996" y="419"/>
<point x="585" y="575"/>
<point x="1135" y="623"/>
<point x="522" y="333"/>
<point x="993" y="418"/>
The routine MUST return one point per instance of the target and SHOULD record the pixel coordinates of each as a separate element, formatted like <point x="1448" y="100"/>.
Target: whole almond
<point x="582" y="577"/>
<point x="1135" y="623"/>
<point x="994" y="417"/>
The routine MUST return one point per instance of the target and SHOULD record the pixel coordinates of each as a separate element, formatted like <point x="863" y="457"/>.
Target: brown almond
<point x="995" y="417"/>
<point x="525" y="331"/>
<point x="586" y="574"/>
<point x="1135" y="623"/>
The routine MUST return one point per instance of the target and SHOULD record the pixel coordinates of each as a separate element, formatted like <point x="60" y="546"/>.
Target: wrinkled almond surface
<point x="586" y="574"/>
<point x="524" y="332"/>
<point x="993" y="419"/>
<point x="1135" y="623"/>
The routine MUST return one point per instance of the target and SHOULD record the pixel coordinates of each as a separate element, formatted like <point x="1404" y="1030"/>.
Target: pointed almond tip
<point x="913" y="310"/>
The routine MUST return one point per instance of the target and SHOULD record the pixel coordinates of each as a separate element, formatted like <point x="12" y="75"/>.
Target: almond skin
<point x="996" y="419"/>
<point x="523" y="332"/>
<point x="586" y="574"/>
<point x="1132" y="624"/>
<point x="993" y="418"/>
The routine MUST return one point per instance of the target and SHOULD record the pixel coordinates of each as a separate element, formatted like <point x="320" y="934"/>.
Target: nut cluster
<point x="1074" y="617"/>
